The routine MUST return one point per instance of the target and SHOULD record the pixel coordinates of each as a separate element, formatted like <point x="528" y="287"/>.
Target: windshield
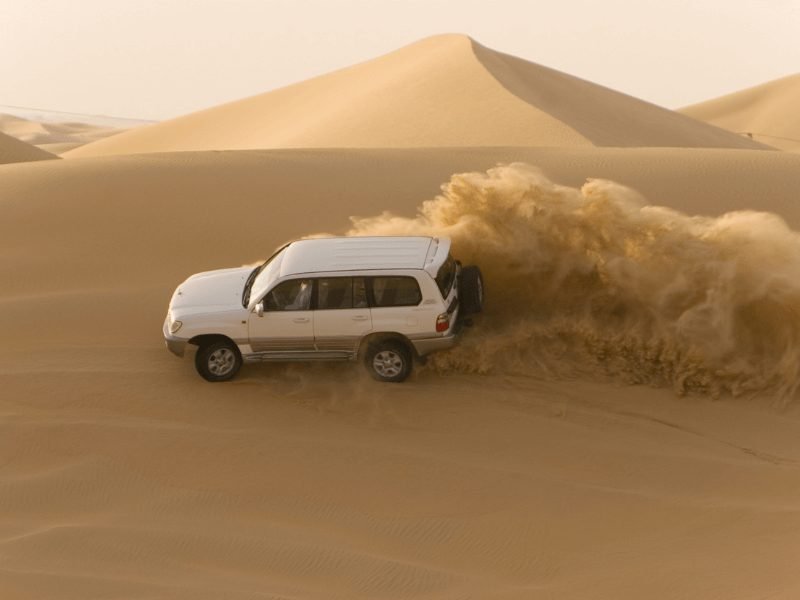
<point x="267" y="274"/>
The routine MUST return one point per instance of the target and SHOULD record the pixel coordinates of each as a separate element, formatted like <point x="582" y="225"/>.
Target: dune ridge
<point x="13" y="150"/>
<point x="603" y="116"/>
<point x="767" y="112"/>
<point x="444" y="91"/>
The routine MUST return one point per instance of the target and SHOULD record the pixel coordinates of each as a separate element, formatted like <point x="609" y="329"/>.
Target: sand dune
<point x="442" y="91"/>
<point x="13" y="150"/>
<point x="124" y="474"/>
<point x="767" y="112"/>
<point x="53" y="137"/>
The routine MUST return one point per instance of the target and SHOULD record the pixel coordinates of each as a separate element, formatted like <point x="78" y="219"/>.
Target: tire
<point x="470" y="291"/>
<point x="218" y="361"/>
<point x="388" y="361"/>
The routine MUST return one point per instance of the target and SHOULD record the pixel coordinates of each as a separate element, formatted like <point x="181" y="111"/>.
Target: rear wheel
<point x="218" y="361"/>
<point x="470" y="290"/>
<point x="388" y="361"/>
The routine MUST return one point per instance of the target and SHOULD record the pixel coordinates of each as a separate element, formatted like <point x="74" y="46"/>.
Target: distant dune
<point x="444" y="91"/>
<point x="53" y="137"/>
<point x="13" y="150"/>
<point x="769" y="112"/>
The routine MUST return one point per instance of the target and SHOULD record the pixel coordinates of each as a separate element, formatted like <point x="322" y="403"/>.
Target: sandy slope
<point x="441" y="91"/>
<point x="768" y="112"/>
<point x="13" y="150"/>
<point x="53" y="137"/>
<point x="124" y="474"/>
<point x="210" y="209"/>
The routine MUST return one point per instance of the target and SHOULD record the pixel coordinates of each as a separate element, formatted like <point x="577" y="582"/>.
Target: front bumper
<point x="175" y="345"/>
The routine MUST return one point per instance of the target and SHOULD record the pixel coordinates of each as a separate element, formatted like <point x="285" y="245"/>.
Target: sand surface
<point x="53" y="137"/>
<point x="126" y="475"/>
<point x="440" y="92"/>
<point x="767" y="112"/>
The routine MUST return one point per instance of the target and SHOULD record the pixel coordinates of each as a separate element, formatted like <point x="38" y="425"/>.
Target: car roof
<point x="364" y="253"/>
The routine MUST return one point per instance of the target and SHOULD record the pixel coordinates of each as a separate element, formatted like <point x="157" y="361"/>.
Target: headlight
<point x="175" y="326"/>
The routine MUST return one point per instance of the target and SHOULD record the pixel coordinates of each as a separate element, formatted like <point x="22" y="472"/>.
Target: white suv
<point x="385" y="300"/>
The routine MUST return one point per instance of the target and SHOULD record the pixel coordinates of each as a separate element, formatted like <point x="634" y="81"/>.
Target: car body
<point x="389" y="298"/>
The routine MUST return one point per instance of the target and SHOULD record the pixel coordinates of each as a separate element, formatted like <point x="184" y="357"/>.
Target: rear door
<point x="287" y="324"/>
<point x="342" y="316"/>
<point x="397" y="306"/>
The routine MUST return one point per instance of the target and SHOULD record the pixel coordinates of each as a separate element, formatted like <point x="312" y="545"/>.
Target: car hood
<point x="220" y="289"/>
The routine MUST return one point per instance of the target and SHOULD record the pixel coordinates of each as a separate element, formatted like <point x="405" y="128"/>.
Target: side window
<point x="395" y="291"/>
<point x="341" y="292"/>
<point x="336" y="292"/>
<point x="294" y="294"/>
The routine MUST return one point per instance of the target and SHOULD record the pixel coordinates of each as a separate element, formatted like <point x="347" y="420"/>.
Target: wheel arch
<point x="386" y="336"/>
<point x="209" y="338"/>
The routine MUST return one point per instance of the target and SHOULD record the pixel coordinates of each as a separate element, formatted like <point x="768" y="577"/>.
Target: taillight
<point x="442" y="322"/>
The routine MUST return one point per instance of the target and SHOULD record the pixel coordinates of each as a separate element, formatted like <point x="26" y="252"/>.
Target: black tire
<point x="218" y="361"/>
<point x="388" y="361"/>
<point x="470" y="291"/>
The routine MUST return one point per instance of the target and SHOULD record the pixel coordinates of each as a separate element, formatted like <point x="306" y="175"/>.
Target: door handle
<point x="301" y="320"/>
<point x="360" y="318"/>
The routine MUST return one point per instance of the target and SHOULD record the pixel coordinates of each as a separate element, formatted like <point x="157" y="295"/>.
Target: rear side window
<point x="341" y="292"/>
<point x="395" y="291"/>
<point x="446" y="276"/>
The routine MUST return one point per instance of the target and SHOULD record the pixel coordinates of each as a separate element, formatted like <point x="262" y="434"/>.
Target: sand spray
<point x="595" y="282"/>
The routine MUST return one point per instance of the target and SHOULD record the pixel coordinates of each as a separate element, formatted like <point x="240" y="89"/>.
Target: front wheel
<point x="388" y="361"/>
<point x="218" y="361"/>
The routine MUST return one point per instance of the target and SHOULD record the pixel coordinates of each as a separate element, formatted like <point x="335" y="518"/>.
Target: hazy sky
<point x="156" y="59"/>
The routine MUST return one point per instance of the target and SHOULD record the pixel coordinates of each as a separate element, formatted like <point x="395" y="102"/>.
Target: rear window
<point x="446" y="276"/>
<point x="395" y="291"/>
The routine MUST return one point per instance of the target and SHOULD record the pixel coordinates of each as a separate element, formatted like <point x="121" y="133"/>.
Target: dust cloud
<point x="594" y="282"/>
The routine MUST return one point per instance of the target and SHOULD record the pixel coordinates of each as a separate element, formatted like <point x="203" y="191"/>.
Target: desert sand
<point x="620" y="423"/>
<point x="53" y="137"/>
<point x="767" y="112"/>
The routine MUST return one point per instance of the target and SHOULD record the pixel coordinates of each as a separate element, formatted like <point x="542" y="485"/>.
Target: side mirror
<point x="260" y="309"/>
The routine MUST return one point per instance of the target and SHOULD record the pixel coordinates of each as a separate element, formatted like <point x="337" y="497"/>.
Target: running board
<point x="292" y="356"/>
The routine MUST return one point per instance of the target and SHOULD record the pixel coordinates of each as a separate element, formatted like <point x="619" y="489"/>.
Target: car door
<point x="287" y="322"/>
<point x="397" y="306"/>
<point x="342" y="316"/>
